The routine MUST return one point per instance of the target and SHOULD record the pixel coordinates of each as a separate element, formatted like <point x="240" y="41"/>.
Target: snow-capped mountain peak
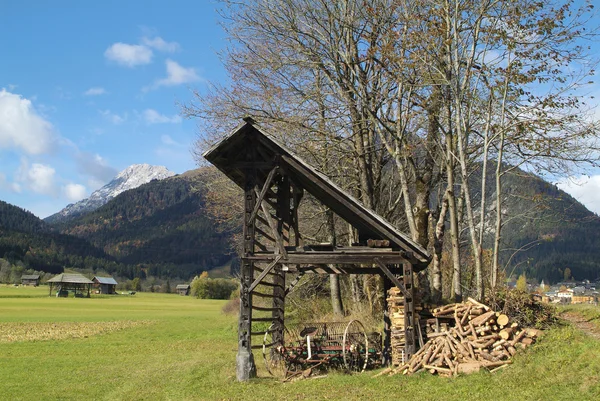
<point x="132" y="177"/>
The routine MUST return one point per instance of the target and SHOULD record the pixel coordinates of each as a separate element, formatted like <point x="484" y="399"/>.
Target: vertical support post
<point x="245" y="366"/>
<point x="409" y="310"/>
<point x="387" y="325"/>
<point x="284" y="217"/>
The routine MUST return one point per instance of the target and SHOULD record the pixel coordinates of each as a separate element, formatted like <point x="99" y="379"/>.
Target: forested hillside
<point x="26" y="238"/>
<point x="160" y="227"/>
<point x="548" y="232"/>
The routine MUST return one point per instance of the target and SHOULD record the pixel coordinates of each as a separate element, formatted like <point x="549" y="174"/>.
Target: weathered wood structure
<point x="183" y="289"/>
<point x="30" y="279"/>
<point x="106" y="285"/>
<point x="274" y="181"/>
<point x="63" y="283"/>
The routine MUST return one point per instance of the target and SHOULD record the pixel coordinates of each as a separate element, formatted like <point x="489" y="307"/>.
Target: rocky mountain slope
<point x="130" y="178"/>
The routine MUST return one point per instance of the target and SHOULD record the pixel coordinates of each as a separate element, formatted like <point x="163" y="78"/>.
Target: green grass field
<point x="184" y="349"/>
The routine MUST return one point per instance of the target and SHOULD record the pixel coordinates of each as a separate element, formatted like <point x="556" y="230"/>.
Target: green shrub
<point x="205" y="287"/>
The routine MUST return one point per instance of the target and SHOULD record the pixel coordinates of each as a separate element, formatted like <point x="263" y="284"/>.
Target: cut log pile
<point x="480" y="338"/>
<point x="396" y="311"/>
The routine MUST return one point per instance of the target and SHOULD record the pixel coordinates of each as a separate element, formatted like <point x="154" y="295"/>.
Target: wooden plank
<point x="273" y="227"/>
<point x="261" y="195"/>
<point x="265" y="235"/>
<point x="264" y="309"/>
<point x="392" y="277"/>
<point x="262" y="275"/>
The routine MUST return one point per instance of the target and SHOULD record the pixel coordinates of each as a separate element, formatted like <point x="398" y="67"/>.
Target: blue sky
<point x="88" y="88"/>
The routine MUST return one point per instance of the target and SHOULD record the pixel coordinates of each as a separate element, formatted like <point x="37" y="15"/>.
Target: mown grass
<point x="188" y="353"/>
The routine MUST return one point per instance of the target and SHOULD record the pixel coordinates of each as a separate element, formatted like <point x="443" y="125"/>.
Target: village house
<point x="105" y="285"/>
<point x="30" y="279"/>
<point x="565" y="296"/>
<point x="183" y="289"/>
<point x="587" y="297"/>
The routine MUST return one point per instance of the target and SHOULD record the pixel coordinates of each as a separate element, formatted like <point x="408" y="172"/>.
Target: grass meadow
<point x="167" y="347"/>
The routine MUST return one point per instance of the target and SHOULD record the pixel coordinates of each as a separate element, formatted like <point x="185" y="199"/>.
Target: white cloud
<point x="129" y="55"/>
<point x="167" y="140"/>
<point x="6" y="185"/>
<point x="113" y="117"/>
<point x="176" y="75"/>
<point x="22" y="127"/>
<point x="93" y="165"/>
<point x="160" y="44"/>
<point x="38" y="177"/>
<point x="95" y="91"/>
<point x="585" y="189"/>
<point x="152" y="116"/>
<point x="74" y="192"/>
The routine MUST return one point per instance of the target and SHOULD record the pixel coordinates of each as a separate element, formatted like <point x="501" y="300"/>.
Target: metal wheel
<point x="274" y="360"/>
<point x="355" y="348"/>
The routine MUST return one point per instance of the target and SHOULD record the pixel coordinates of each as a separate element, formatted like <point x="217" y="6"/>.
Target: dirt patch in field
<point x="582" y="324"/>
<point x="42" y="331"/>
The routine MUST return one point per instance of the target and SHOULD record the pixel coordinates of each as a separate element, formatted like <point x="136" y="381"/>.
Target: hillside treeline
<point x="159" y="230"/>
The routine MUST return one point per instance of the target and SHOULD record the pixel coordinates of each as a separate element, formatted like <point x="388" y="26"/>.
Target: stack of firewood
<point x="395" y="301"/>
<point x="480" y="338"/>
<point x="396" y="310"/>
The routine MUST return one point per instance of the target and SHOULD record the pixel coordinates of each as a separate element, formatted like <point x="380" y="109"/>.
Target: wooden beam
<point x="323" y="258"/>
<point x="392" y="278"/>
<point x="261" y="195"/>
<point x="273" y="226"/>
<point x="264" y="273"/>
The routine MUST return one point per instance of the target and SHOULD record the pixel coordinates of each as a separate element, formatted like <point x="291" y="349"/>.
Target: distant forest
<point x="157" y="230"/>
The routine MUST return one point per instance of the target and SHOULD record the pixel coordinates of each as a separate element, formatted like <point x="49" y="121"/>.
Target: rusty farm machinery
<point x="322" y="346"/>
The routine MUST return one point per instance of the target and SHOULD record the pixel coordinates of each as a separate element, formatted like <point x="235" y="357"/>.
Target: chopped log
<point x="469" y="367"/>
<point x="506" y="333"/>
<point x="479" y="320"/>
<point x="474" y="302"/>
<point x="533" y="333"/>
<point x="527" y="341"/>
<point x="502" y="319"/>
<point x="439" y="369"/>
<point x="518" y="337"/>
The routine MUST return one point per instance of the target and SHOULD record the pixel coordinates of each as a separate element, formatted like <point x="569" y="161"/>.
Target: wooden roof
<point x="232" y="157"/>
<point x="30" y="277"/>
<point x="105" y="280"/>
<point x="70" y="278"/>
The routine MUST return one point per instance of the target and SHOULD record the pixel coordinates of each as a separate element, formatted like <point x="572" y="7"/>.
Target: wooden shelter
<point x="30" y="279"/>
<point x="183" y="289"/>
<point x="274" y="181"/>
<point x="106" y="285"/>
<point x="63" y="283"/>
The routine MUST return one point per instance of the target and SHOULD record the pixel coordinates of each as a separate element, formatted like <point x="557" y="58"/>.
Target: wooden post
<point x="245" y="366"/>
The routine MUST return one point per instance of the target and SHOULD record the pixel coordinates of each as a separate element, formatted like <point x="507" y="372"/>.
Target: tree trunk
<point x="334" y="280"/>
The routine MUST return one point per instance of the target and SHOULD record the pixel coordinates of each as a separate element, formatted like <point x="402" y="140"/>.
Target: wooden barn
<point x="183" y="289"/>
<point x="274" y="181"/>
<point x="106" y="285"/>
<point x="30" y="279"/>
<point x="63" y="283"/>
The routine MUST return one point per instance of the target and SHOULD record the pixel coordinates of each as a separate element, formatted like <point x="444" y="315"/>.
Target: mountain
<point x="159" y="228"/>
<point x="548" y="231"/>
<point x="27" y="239"/>
<point x="132" y="177"/>
<point x="16" y="219"/>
